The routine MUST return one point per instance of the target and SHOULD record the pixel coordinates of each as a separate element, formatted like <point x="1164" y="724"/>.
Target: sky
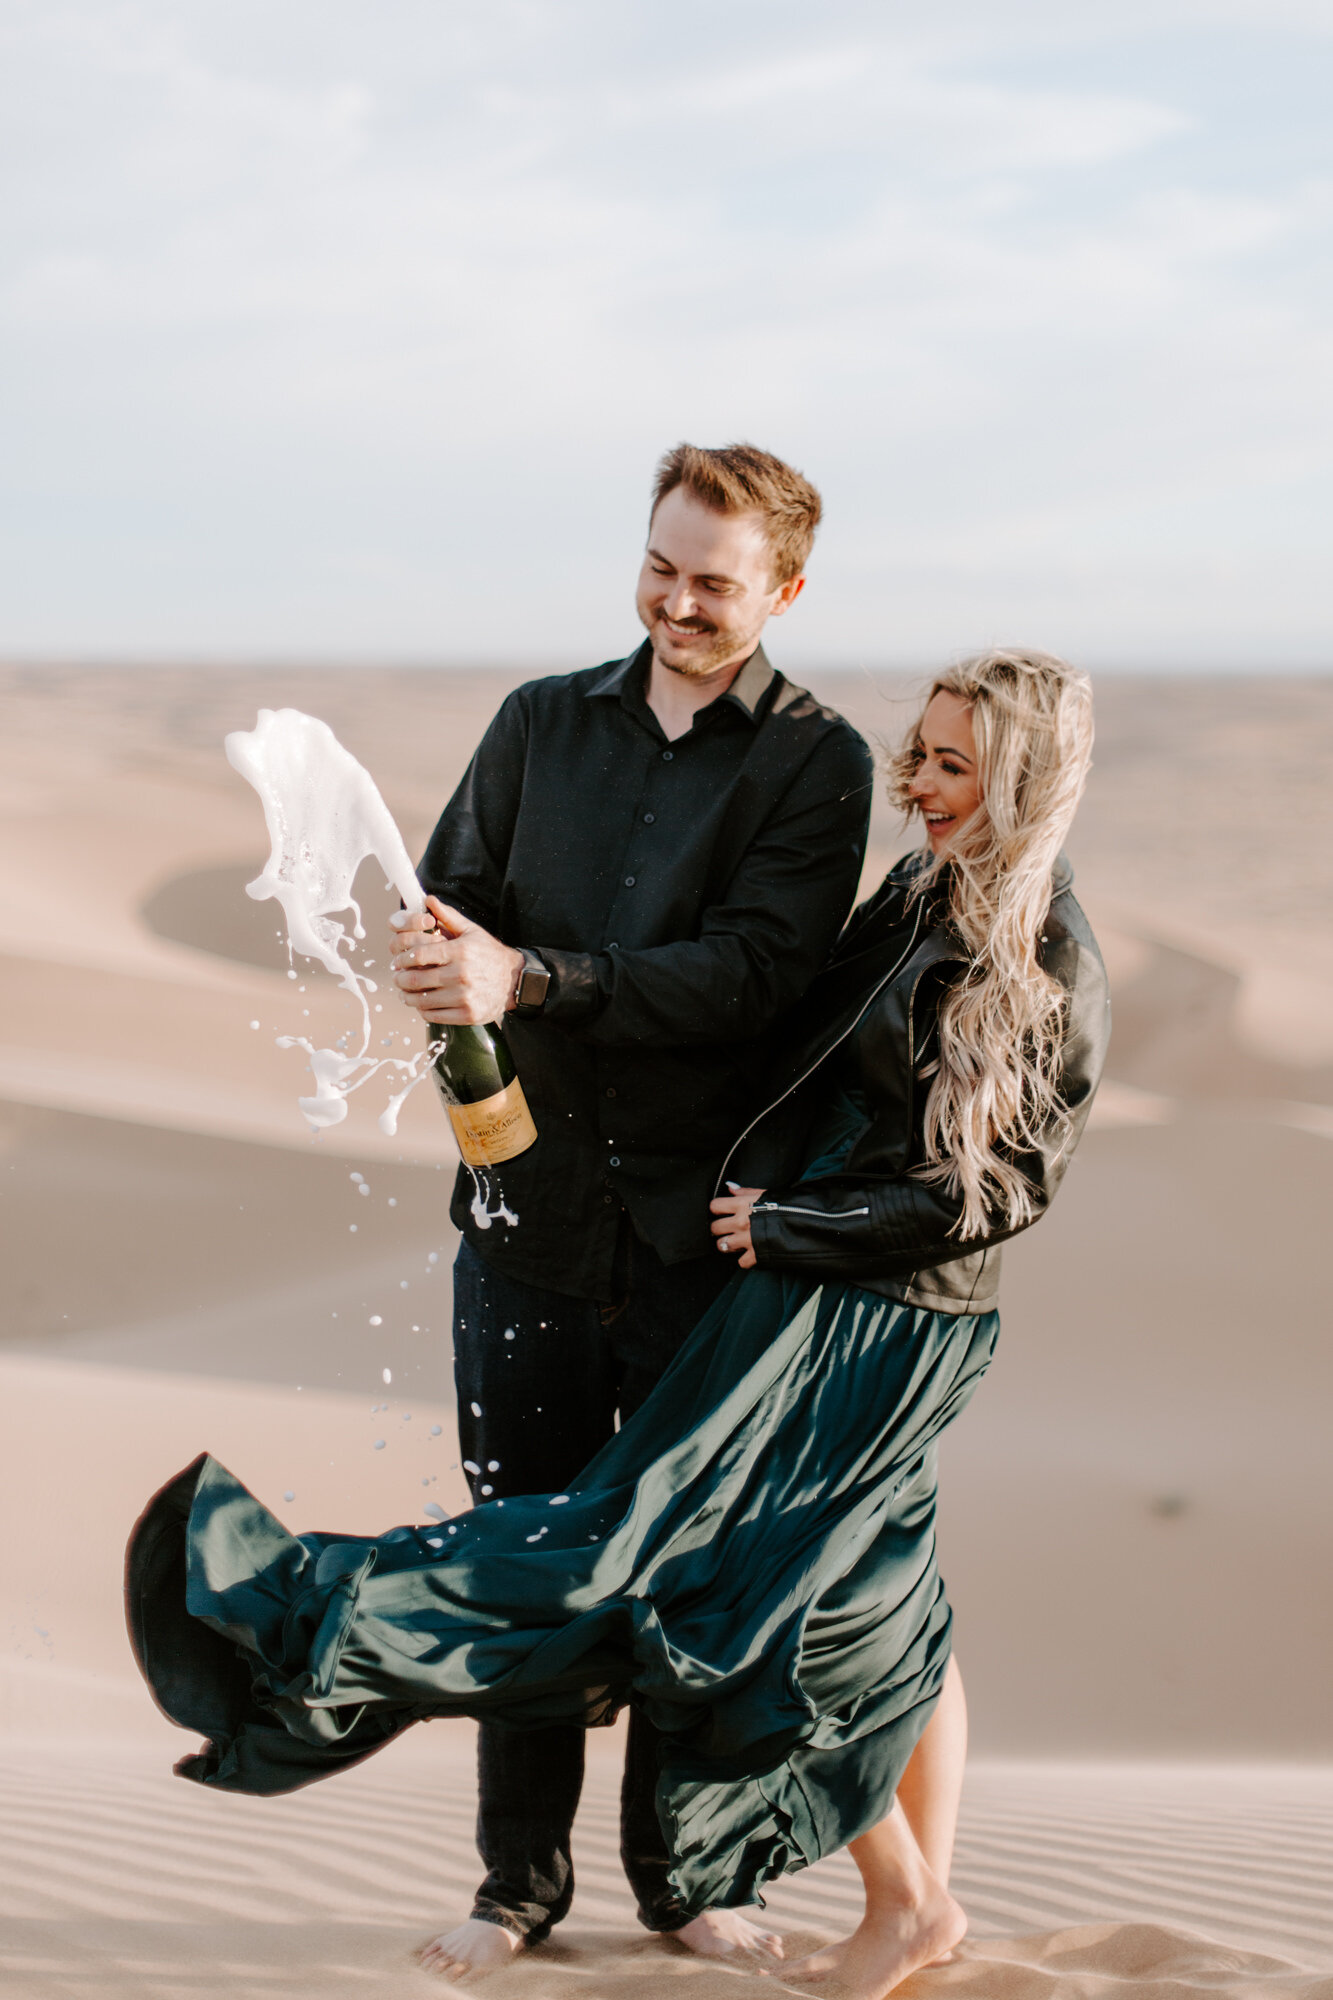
<point x="352" y="332"/>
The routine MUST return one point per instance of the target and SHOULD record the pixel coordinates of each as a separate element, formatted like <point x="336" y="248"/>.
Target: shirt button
<point x="609" y="1199"/>
<point x="613" y="947"/>
<point x="648" y="819"/>
<point x="629" y="881"/>
<point x="613" y="1161"/>
<point x="667" y="756"/>
<point x="610" y="1090"/>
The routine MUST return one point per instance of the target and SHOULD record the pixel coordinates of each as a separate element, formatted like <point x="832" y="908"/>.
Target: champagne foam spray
<point x="325" y="816"/>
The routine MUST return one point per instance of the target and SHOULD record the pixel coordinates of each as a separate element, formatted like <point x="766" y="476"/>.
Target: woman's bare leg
<point x="932" y="1784"/>
<point x="910" y="1919"/>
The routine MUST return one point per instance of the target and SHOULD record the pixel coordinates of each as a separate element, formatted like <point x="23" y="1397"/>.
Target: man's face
<point x="706" y="588"/>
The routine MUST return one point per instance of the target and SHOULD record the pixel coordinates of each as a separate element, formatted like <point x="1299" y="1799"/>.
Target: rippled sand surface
<point x="1081" y="1881"/>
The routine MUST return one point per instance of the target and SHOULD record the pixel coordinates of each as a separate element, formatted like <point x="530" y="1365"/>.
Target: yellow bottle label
<point x="495" y="1128"/>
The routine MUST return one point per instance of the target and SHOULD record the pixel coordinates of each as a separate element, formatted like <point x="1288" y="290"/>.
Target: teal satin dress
<point x="751" y="1560"/>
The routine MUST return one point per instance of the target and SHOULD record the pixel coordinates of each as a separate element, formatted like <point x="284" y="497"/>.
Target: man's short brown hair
<point x="741" y="479"/>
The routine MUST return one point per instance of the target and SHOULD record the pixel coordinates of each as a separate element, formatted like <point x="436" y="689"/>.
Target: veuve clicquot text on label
<point x="475" y="1076"/>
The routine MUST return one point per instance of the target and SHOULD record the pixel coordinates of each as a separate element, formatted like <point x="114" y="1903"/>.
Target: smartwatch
<point x="533" y="980"/>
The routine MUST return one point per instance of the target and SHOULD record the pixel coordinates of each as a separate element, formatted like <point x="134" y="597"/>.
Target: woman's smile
<point x="946" y="786"/>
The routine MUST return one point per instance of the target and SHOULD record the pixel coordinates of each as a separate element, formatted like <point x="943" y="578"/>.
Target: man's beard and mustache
<point x="704" y="660"/>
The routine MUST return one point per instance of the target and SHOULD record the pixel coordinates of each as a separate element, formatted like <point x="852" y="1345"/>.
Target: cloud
<point x="353" y="334"/>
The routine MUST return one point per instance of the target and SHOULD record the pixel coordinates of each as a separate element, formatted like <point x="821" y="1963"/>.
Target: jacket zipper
<point x="851" y="1026"/>
<point x="820" y="1214"/>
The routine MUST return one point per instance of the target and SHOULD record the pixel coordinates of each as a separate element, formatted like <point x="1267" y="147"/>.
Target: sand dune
<point x="1135" y="1522"/>
<point x="167" y="1210"/>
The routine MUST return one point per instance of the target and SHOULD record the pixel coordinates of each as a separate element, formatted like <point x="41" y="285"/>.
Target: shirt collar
<point x="751" y="684"/>
<point x="627" y="680"/>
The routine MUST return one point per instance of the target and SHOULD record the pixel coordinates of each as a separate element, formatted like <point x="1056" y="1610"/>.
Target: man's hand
<point x="732" y="1227"/>
<point x="451" y="970"/>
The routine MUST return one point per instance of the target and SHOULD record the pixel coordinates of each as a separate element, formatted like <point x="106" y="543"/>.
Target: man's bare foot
<point x="727" y="1934"/>
<point x="879" y="1956"/>
<point x="469" y="1951"/>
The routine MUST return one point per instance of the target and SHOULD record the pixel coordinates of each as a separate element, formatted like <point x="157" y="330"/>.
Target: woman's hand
<point x="732" y="1226"/>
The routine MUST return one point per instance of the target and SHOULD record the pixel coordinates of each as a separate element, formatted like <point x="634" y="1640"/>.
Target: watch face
<point x="532" y="985"/>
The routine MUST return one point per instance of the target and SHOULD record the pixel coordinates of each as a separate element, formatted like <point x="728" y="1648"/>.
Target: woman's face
<point x="946" y="787"/>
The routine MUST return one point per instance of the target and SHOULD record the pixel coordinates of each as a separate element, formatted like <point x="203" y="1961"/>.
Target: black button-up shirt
<point x="683" y="895"/>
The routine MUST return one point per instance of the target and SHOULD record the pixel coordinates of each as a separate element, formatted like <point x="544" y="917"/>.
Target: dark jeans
<point x="548" y="1375"/>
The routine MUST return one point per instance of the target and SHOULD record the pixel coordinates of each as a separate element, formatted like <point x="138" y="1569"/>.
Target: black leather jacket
<point x="873" y="1224"/>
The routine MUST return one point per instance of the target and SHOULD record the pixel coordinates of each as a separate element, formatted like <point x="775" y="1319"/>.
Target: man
<point x="642" y="869"/>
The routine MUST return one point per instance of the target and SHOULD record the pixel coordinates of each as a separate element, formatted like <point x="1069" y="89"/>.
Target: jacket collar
<point x="841" y="994"/>
<point x="937" y="939"/>
<point x="847" y="987"/>
<point x="626" y="681"/>
<point x="911" y="865"/>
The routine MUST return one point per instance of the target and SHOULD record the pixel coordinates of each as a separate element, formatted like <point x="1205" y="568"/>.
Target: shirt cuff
<point x="575" y="993"/>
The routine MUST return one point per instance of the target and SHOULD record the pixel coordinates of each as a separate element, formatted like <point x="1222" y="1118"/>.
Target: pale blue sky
<point x="350" y="331"/>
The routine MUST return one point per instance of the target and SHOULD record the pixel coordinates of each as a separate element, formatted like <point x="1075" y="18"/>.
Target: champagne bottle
<point x="475" y="1076"/>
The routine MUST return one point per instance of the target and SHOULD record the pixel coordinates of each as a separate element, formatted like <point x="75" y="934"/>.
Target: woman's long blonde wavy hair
<point x="995" y="1082"/>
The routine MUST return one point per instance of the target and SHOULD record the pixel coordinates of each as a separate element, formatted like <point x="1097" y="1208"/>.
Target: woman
<point x="751" y="1559"/>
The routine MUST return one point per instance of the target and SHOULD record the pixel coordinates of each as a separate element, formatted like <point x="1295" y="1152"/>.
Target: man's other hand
<point x="451" y="970"/>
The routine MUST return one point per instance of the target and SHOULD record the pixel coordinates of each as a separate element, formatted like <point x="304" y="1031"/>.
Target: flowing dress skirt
<point x="751" y="1560"/>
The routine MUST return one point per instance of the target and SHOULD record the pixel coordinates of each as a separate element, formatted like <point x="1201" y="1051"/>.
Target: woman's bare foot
<point x="887" y="1949"/>
<point x="469" y="1951"/>
<point x="727" y="1934"/>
